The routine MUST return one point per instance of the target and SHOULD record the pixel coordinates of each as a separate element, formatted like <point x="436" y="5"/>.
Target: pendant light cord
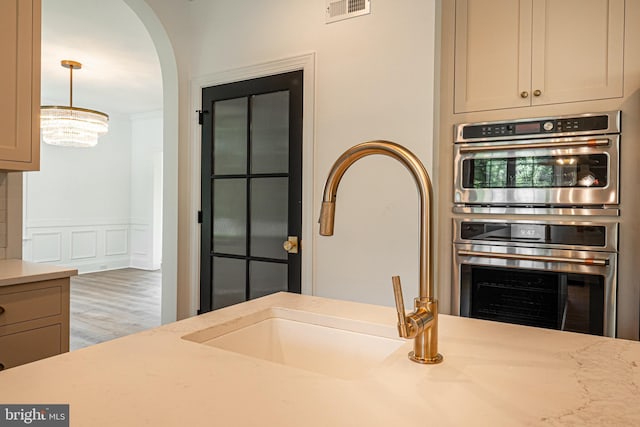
<point x="71" y="86"/>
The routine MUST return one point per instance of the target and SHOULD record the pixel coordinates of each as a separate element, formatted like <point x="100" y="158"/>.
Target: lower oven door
<point x="557" y="289"/>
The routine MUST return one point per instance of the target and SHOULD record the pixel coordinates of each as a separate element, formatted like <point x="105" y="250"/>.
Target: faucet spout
<point x="424" y="318"/>
<point x="327" y="218"/>
<point x="423" y="183"/>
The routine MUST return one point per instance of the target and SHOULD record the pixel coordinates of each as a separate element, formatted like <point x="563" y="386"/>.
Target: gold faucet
<point x="422" y="324"/>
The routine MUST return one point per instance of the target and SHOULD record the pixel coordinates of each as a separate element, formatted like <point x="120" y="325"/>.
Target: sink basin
<point x="337" y="347"/>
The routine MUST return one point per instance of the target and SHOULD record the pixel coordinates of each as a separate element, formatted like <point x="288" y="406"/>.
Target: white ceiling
<point x="120" y="69"/>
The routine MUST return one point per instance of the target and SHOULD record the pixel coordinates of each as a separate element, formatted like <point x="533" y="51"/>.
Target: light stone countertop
<point x="493" y="374"/>
<point x="17" y="271"/>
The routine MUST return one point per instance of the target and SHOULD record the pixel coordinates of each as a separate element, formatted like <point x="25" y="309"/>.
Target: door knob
<point x="291" y="244"/>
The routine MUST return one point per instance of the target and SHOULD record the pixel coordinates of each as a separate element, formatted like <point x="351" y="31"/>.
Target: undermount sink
<point x="337" y="347"/>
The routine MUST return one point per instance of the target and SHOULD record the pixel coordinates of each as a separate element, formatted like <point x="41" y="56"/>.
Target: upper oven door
<point x="579" y="171"/>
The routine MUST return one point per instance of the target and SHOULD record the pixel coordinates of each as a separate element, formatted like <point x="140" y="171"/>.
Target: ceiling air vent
<point x="338" y="10"/>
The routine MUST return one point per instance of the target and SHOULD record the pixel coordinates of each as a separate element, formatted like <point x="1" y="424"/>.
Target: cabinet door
<point x="20" y="84"/>
<point x="577" y="50"/>
<point x="29" y="346"/>
<point x="492" y="54"/>
<point x="25" y="305"/>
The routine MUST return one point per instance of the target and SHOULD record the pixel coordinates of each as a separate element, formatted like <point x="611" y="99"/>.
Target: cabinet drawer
<point x="29" y="305"/>
<point x="28" y="346"/>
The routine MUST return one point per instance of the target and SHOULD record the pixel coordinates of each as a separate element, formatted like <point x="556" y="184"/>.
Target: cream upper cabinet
<point x="20" y="84"/>
<point x="518" y="53"/>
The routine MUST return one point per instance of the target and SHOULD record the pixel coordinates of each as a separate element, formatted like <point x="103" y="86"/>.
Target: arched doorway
<point x="170" y="157"/>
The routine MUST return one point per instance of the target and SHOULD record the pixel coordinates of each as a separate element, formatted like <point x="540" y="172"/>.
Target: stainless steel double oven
<point x="527" y="248"/>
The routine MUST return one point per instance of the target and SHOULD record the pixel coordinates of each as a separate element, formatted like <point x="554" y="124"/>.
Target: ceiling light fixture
<point x="72" y="126"/>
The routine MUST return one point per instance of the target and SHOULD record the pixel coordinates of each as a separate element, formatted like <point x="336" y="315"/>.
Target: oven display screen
<point x="533" y="127"/>
<point x="528" y="231"/>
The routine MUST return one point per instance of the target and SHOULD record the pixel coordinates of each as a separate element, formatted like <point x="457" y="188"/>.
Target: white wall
<point x="92" y="208"/>
<point x="374" y="80"/>
<point x="77" y="205"/>
<point x="146" y="190"/>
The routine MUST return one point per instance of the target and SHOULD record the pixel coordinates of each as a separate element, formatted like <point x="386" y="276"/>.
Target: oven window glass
<point x="553" y="300"/>
<point x="589" y="170"/>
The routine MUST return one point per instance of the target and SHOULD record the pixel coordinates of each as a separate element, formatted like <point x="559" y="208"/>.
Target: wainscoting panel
<point x="139" y="237"/>
<point x="47" y="247"/>
<point x="142" y="247"/>
<point x="89" y="247"/>
<point x="116" y="242"/>
<point x="84" y="244"/>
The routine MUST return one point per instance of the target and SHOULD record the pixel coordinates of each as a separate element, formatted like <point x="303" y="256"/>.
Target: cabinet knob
<point x="537" y="92"/>
<point x="524" y="94"/>
<point x="1" y="367"/>
<point x="1" y="309"/>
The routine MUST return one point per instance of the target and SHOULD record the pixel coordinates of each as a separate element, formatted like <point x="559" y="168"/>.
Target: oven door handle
<point x="542" y="258"/>
<point x="506" y="147"/>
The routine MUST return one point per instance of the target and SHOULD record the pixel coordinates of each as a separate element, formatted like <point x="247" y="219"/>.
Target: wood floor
<point x="112" y="304"/>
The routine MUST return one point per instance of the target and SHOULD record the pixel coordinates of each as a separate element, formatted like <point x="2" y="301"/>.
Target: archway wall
<point x="171" y="165"/>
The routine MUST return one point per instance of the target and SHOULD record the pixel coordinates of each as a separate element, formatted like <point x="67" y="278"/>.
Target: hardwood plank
<point x="112" y="304"/>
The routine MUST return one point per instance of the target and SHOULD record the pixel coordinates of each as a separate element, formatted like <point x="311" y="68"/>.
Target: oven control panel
<point x="551" y="234"/>
<point x="542" y="127"/>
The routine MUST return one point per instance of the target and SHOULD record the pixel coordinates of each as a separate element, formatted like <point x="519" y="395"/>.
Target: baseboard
<point x="95" y="267"/>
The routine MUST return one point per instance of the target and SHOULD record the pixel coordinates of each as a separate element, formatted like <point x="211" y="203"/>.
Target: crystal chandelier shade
<point x="71" y="126"/>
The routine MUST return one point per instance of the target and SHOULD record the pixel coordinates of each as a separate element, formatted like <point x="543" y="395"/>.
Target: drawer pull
<point x="1" y="367"/>
<point x="1" y="309"/>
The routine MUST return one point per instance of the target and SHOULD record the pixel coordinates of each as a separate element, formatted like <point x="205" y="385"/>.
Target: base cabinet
<point x="29" y="346"/>
<point x="34" y="321"/>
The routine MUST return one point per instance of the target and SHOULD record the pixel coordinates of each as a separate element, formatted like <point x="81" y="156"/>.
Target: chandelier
<point x="72" y="126"/>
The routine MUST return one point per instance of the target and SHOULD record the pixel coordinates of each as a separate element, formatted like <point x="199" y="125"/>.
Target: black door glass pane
<point x="578" y="171"/>
<point x="269" y="217"/>
<point x="229" y="281"/>
<point x="230" y="136"/>
<point x="266" y="278"/>
<point x="270" y="133"/>
<point x="230" y="216"/>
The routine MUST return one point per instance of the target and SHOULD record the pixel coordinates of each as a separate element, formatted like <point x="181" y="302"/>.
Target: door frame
<point x="306" y="63"/>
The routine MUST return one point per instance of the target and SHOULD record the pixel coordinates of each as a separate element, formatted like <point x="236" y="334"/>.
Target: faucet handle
<point x="402" y="317"/>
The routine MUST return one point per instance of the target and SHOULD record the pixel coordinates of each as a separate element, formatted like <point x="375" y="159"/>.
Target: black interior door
<point x="251" y="189"/>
